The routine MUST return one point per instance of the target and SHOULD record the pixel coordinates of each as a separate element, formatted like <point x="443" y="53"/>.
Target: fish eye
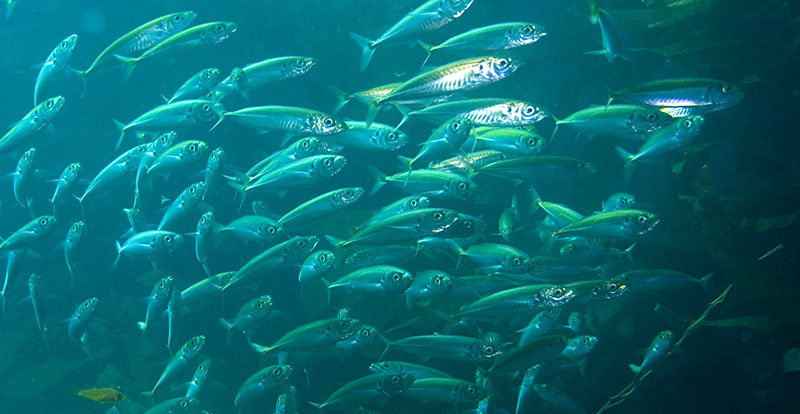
<point x="178" y="18"/>
<point x="517" y="261"/>
<point x="192" y="190"/>
<point x="366" y="332"/>
<point x="85" y="305"/>
<point x="184" y="404"/>
<point x="392" y="136"/>
<point x="437" y="281"/>
<point x="206" y="108"/>
<point x="348" y="193"/>
<point x="207" y="75"/>
<point x="276" y="371"/>
<point x="726" y="88"/>
<point x="652" y="116"/>
<point x="193" y="342"/>
<point x="528" y="111"/>
<point x="502" y="63"/>
<point x="43" y="221"/>
<point x="688" y="123"/>
<point x="536" y="263"/>
<point x="558" y="292"/>
<point x="49" y="104"/>
<point x="219" y="28"/>
<point x="328" y="122"/>
<point x="471" y="390"/>
<point x="213" y="155"/>
<point x="437" y="216"/>
<point x="344" y="324"/>
<point x="304" y="144"/>
<point x="323" y="258"/>
<point x="396" y="277"/>
<point x="613" y="287"/>
<point x="395" y="379"/>
<point x="300" y="62"/>
<point x="468" y="225"/>
<point x="586" y="341"/>
<point x="455" y="125"/>
<point x="271" y="230"/>
<point x="301" y="243"/>
<point x="168" y="239"/>
<point x="327" y="162"/>
<point x="463" y="186"/>
<point x="528" y="30"/>
<point x="386" y="365"/>
<point x="532" y="142"/>
<point x="642" y="219"/>
<point x="64" y="44"/>
<point x="192" y="148"/>
<point x="75" y="227"/>
<point x="413" y="203"/>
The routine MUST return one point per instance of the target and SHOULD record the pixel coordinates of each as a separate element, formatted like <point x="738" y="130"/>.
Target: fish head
<point x="690" y="126"/>
<point x="269" y="230"/>
<point x="193" y="346"/>
<point x="343" y="328"/>
<point x="439" y="283"/>
<point x="296" y="66"/>
<point x="25" y="163"/>
<point x="219" y="32"/>
<point x="394" y="383"/>
<point x="184" y="406"/>
<point x="162" y="288"/>
<point x="76" y="231"/>
<point x="438" y="220"/>
<point x="389" y="139"/>
<point x="209" y="77"/>
<point x="306" y="147"/>
<point x="619" y="201"/>
<point x="724" y="94"/>
<point x="206" y="111"/>
<point x="663" y="341"/>
<point x="347" y="196"/>
<point x="237" y="79"/>
<point x="641" y="222"/>
<point x="530" y="143"/>
<point x="396" y="280"/>
<point x="573" y="251"/>
<point x="216" y="160"/>
<point x="261" y="307"/>
<point x="322" y="124"/>
<point x="323" y="260"/>
<point x="501" y="67"/>
<point x="276" y="375"/>
<point x="539" y="265"/>
<point x="524" y="34"/>
<point x="72" y="172"/>
<point x="34" y="281"/>
<point x="461" y="188"/>
<point x="367" y="335"/>
<point x="468" y="392"/>
<point x="193" y="150"/>
<point x="453" y="8"/>
<point x="206" y="223"/>
<point x="167" y="241"/>
<point x="328" y="165"/>
<point x="467" y="226"/>
<point x="44" y="225"/>
<point x="608" y="289"/>
<point x="386" y="366"/>
<point x="359" y="258"/>
<point x="65" y="48"/>
<point x="415" y="203"/>
<point x="194" y="193"/>
<point x="584" y="168"/>
<point x="177" y="22"/>
<point x="86" y="309"/>
<point x="300" y="247"/>
<point x="646" y="120"/>
<point x="556" y="295"/>
<point x="163" y="142"/>
<point x="457" y="130"/>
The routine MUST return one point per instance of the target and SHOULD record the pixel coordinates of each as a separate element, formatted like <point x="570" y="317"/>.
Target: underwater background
<point x="723" y="202"/>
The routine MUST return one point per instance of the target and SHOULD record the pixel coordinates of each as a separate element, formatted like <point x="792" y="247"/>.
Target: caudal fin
<point x="121" y="128"/>
<point x="629" y="160"/>
<point x="366" y="49"/>
<point x="342" y="98"/>
<point x="428" y="49"/>
<point x="129" y="64"/>
<point x="379" y="177"/>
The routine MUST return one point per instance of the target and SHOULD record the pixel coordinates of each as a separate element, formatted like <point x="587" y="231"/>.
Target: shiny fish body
<point x="266" y="71"/>
<point x="403" y="205"/>
<point x="73" y="248"/>
<point x="321" y="206"/>
<point x="449" y="347"/>
<point x="34" y="121"/>
<point x="196" y="86"/>
<point x="182" y="361"/>
<point x="286" y="254"/>
<point x="683" y="96"/>
<point x="483" y="112"/>
<point x="293" y="120"/>
<point x="303" y="172"/>
<point x="66" y="183"/>
<point x="257" y="229"/>
<point x="512" y="141"/>
<point x="496" y="37"/>
<point x="183" y="206"/>
<point x="157" y="301"/>
<point x="451" y="391"/>
<point x="31" y="232"/>
<point x="178" y="157"/>
<point x="369" y="390"/>
<point x="617" y="224"/>
<point x="22" y="179"/>
<point x="302" y="148"/>
<point x="372" y="137"/>
<point x="144" y="37"/>
<point x="411" y="225"/>
<point x="538" y="167"/>
<point x="272" y="379"/>
<point x="57" y="63"/>
<point x="175" y="115"/>
<point x="632" y="122"/>
<point x="520" y="300"/>
<point x="314" y="334"/>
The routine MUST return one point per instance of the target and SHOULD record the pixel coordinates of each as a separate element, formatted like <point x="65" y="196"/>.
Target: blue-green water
<point x="723" y="201"/>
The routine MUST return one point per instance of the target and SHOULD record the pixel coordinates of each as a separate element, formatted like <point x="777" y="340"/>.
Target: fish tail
<point x="121" y="128"/>
<point x="629" y="160"/>
<point x="379" y="177"/>
<point x="372" y="112"/>
<point x="428" y="50"/>
<point x="367" y="49"/>
<point x="629" y="253"/>
<point x="142" y="326"/>
<point x="129" y="64"/>
<point x="342" y="98"/>
<point x="229" y="330"/>
<point x="204" y="263"/>
<point x="705" y="281"/>
<point x="119" y="254"/>
<point x="636" y="369"/>
<point x="555" y="129"/>
<point x="261" y="349"/>
<point x="405" y="112"/>
<point x="221" y="117"/>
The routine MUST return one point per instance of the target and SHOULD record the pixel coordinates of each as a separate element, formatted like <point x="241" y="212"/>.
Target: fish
<point x="369" y="390"/>
<point x="579" y="346"/>
<point x="36" y="294"/>
<point x="680" y="97"/>
<point x="370" y="282"/>
<point x="286" y="403"/>
<point x="57" y="64"/>
<point x="312" y="335"/>
<point x="629" y="122"/>
<point x="619" y="201"/>
<point x="31" y="232"/>
<point x="214" y="173"/>
<point x="289" y="253"/>
<point x="10" y="4"/>
<point x="271" y="380"/>
<point x="65" y="184"/>
<point x="22" y="178"/>
<point x="205" y="34"/>
<point x="617" y="224"/>
<point x="199" y="379"/>
<point x="448" y="347"/>
<point x="465" y="165"/>
<point x="142" y="38"/>
<point x="321" y="206"/>
<point x="316" y="265"/>
<point x="610" y="32"/>
<point x="302" y="148"/>
<point x="74" y="248"/>
<point x="183" y="206"/>
<point x="152" y="151"/>
<point x="259" y="229"/>
<point x="207" y="228"/>
<point x="429" y="16"/>
<point x="205" y="290"/>
<point x="495" y="112"/>
<point x="303" y="172"/>
<point x="369" y="137"/>
<point x="179" y="405"/>
<point x="252" y="314"/>
<point x="34" y="121"/>
<point x="510" y="141"/>
<point x="300" y="122"/>
<point x="664" y="141"/>
<point x="491" y="38"/>
<point x="157" y="302"/>
<point x="538" y="168"/>
<point x="416" y="370"/>
<point x="557" y="398"/>
<point x="174" y="316"/>
<point x="259" y="74"/>
<point x="105" y="395"/>
<point x="488" y="258"/>
<point x="170" y="116"/>
<point x="656" y="352"/>
<point x="458" y="76"/>
<point x="183" y="360"/>
<point x="521" y="300"/>
<point x="443" y="141"/>
<point x="425" y="286"/>
<point x="539" y="325"/>
<point x="180" y="156"/>
<point x="78" y="323"/>
<point x="529" y="354"/>
<point x="402" y="205"/>
<point x="595" y="252"/>
<point x="367" y="97"/>
<point x="640" y="280"/>
<point x="408" y="226"/>
<point x="197" y="86"/>
<point x="427" y="182"/>
<point x="450" y="391"/>
<point x="150" y="243"/>
<point x="381" y="255"/>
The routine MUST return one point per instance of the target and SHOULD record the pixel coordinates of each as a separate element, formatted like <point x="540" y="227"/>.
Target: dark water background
<point x="750" y="173"/>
